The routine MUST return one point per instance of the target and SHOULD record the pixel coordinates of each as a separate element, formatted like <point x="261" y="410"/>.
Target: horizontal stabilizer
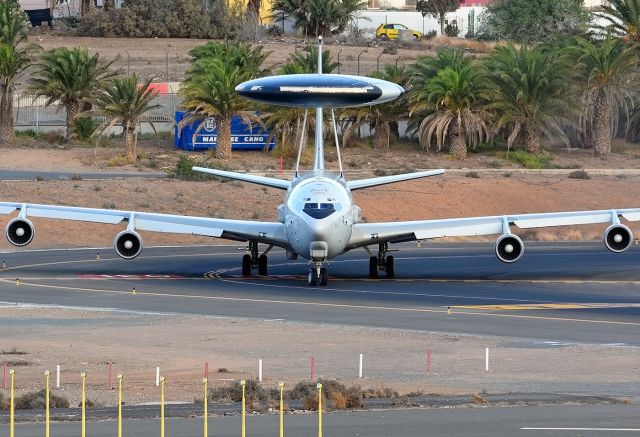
<point x="383" y="180"/>
<point x="259" y="180"/>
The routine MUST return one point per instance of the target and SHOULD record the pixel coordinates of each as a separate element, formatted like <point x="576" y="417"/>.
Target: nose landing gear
<point x="318" y="274"/>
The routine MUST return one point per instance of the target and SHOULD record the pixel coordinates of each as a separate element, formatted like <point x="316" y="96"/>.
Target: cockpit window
<point x="319" y="210"/>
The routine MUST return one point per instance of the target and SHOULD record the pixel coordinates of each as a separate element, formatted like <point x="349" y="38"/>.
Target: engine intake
<point x="618" y="238"/>
<point x="20" y="232"/>
<point x="509" y="248"/>
<point x="128" y="244"/>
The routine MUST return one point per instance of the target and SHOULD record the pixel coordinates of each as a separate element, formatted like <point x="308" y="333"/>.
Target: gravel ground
<point x="84" y="340"/>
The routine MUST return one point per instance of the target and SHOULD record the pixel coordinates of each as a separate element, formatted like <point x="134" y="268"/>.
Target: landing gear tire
<point x="246" y="265"/>
<point x="262" y="265"/>
<point x="324" y="277"/>
<point x="312" y="278"/>
<point x="389" y="268"/>
<point x="373" y="267"/>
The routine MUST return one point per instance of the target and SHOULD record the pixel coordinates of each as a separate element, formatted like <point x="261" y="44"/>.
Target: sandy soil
<point x="82" y="340"/>
<point x="449" y="196"/>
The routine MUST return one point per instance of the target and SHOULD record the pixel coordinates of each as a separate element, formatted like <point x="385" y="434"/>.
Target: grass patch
<point x="529" y="160"/>
<point x="118" y="161"/>
<point x="14" y="351"/>
<point x="472" y="174"/>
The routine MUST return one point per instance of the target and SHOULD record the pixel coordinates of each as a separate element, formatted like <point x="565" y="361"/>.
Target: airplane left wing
<point x="395" y="232"/>
<point x="240" y="230"/>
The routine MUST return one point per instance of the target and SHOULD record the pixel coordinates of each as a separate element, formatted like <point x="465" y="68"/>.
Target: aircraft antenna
<point x="318" y="159"/>
<point x="302" y="141"/>
<point x="335" y="133"/>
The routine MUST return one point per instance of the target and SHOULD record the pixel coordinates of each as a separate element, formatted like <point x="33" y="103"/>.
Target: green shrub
<point x="253" y="392"/>
<point x="183" y="170"/>
<point x="579" y="174"/>
<point x="84" y="127"/>
<point x="28" y="133"/>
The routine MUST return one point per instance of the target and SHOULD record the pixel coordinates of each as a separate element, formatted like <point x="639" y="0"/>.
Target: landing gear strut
<point x="382" y="262"/>
<point x="252" y="261"/>
<point x="318" y="274"/>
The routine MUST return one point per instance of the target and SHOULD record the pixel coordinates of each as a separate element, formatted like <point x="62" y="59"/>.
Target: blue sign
<point x="243" y="137"/>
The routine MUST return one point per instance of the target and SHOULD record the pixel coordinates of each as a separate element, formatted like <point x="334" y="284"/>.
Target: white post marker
<point x="157" y="376"/>
<point x="486" y="360"/>
<point x="260" y="370"/>
<point x="360" y="368"/>
<point x="58" y="376"/>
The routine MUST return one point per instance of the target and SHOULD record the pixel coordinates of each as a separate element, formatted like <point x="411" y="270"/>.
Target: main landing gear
<point x="318" y="274"/>
<point x="252" y="260"/>
<point x="382" y="262"/>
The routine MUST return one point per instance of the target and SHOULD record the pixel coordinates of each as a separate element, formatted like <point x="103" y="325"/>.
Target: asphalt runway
<point x="560" y="421"/>
<point x="558" y="292"/>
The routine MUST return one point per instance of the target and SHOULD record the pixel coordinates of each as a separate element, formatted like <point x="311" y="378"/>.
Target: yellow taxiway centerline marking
<point x="321" y="304"/>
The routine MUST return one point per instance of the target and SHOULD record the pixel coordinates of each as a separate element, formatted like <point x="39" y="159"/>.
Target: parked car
<point x="390" y="31"/>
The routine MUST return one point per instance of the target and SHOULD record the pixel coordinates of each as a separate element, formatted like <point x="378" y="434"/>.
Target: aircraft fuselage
<point x="318" y="215"/>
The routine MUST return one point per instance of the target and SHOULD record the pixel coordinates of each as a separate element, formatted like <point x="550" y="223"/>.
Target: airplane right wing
<point x="365" y="234"/>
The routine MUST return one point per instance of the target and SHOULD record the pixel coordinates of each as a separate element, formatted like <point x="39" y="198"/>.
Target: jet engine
<point x="509" y="248"/>
<point x="20" y="231"/>
<point x="618" y="238"/>
<point x="128" y="244"/>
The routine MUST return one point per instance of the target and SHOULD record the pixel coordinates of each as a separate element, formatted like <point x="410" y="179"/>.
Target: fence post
<point x="120" y="405"/>
<point x="281" y="409"/>
<point x="206" y="430"/>
<point x="360" y="368"/>
<point x="46" y="414"/>
<point x="319" y="410"/>
<point x="260" y="370"/>
<point x="12" y="406"/>
<point x="363" y="50"/>
<point x="84" y="401"/>
<point x="242" y="383"/>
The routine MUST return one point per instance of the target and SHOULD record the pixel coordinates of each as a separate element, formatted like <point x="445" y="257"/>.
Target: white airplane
<point x="318" y="220"/>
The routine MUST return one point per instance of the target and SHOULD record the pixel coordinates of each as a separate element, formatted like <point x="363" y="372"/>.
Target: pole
<point x="360" y="368"/>
<point x="58" y="376"/>
<point x="162" y="407"/>
<point x="281" y="409"/>
<point x="260" y="370"/>
<point x="242" y="383"/>
<point x="157" y="376"/>
<point x="84" y="401"/>
<point x="12" y="407"/>
<point x="206" y="430"/>
<point x="429" y="361"/>
<point x="280" y="165"/>
<point x="313" y="367"/>
<point x="46" y="414"/>
<point x="486" y="360"/>
<point x="319" y="410"/>
<point x="120" y="404"/>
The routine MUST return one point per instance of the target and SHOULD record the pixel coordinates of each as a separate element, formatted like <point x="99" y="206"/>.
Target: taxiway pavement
<point x="558" y="292"/>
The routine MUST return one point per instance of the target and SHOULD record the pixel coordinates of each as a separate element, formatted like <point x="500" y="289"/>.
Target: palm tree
<point x="209" y="87"/>
<point x="454" y="100"/>
<point x="623" y="17"/>
<point x="72" y="77"/>
<point x="610" y="79"/>
<point x="287" y="123"/>
<point x="379" y="117"/>
<point x="12" y="23"/>
<point x="319" y="17"/>
<point x="531" y="93"/>
<point x="14" y="61"/>
<point x="125" y="101"/>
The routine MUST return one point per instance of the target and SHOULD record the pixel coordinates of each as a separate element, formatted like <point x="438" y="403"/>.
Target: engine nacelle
<point x="128" y="244"/>
<point x="20" y="231"/>
<point x="509" y="248"/>
<point x="618" y="238"/>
